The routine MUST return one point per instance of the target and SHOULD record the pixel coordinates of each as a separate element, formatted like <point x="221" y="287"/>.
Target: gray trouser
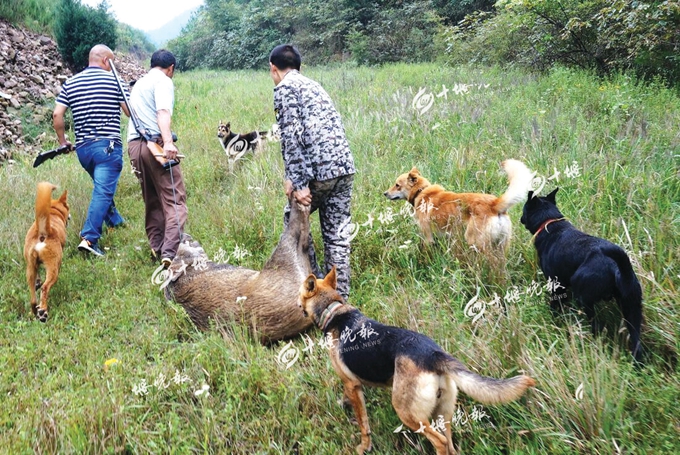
<point x="164" y="218"/>
<point x="332" y="199"/>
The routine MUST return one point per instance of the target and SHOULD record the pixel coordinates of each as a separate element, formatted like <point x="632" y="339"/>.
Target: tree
<point x="78" y="28"/>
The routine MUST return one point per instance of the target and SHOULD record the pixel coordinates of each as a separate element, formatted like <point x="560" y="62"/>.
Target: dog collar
<point x="545" y="226"/>
<point x="327" y="314"/>
<point x="418" y="191"/>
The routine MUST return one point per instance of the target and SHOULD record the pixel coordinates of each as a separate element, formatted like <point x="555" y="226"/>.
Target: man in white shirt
<point x="152" y="100"/>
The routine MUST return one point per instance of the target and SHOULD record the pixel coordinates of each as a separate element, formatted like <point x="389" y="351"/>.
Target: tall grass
<point x="37" y="15"/>
<point x="58" y="396"/>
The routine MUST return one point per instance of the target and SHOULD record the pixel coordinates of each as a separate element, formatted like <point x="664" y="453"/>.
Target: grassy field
<point x="119" y="369"/>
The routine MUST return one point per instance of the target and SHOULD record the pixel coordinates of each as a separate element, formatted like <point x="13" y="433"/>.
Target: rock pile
<point x="31" y="75"/>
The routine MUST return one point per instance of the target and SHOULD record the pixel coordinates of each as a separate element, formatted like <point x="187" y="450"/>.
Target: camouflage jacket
<point x="313" y="140"/>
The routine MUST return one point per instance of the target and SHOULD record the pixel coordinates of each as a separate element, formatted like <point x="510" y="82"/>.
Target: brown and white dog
<point x="236" y="145"/>
<point x="487" y="224"/>
<point x="44" y="245"/>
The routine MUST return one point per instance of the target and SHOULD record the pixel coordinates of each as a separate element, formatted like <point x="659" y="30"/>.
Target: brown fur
<point x="270" y="304"/>
<point x="44" y="244"/>
<point x="484" y="216"/>
<point x="424" y="378"/>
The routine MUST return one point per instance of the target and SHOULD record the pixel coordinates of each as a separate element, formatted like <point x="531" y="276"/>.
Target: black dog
<point x="595" y="269"/>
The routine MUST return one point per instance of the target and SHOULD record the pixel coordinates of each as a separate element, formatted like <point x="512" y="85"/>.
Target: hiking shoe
<point x="90" y="247"/>
<point x="166" y="262"/>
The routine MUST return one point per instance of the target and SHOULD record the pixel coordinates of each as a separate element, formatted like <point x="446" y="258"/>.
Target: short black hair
<point x="162" y="58"/>
<point x="285" y="56"/>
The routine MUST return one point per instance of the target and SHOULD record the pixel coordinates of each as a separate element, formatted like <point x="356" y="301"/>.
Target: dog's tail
<point x="43" y="204"/>
<point x="487" y="390"/>
<point x="629" y="297"/>
<point x="519" y="177"/>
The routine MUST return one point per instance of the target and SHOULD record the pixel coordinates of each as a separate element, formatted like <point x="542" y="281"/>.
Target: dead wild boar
<point x="266" y="300"/>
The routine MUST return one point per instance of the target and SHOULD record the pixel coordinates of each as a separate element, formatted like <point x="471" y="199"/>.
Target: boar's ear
<point x="310" y="284"/>
<point x="331" y="279"/>
<point x="551" y="196"/>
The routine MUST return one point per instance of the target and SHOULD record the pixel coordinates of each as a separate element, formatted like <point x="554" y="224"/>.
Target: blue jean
<point x="104" y="166"/>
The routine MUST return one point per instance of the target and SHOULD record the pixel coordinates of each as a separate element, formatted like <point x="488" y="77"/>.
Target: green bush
<point x="600" y="35"/>
<point x="403" y="34"/>
<point x="78" y="28"/>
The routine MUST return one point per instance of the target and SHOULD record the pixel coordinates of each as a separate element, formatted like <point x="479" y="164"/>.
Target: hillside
<point x="31" y="74"/>
<point x="161" y="35"/>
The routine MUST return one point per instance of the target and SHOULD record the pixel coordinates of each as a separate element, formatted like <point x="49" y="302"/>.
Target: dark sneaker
<point x="89" y="247"/>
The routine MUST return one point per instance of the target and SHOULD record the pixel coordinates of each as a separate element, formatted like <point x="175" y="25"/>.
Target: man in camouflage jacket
<point x="319" y="167"/>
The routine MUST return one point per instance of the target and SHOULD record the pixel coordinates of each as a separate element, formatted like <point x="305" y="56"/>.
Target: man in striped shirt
<point x="95" y="102"/>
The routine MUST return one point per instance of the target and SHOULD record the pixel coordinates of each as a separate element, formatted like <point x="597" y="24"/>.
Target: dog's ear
<point x="413" y="175"/>
<point x="228" y="125"/>
<point x="310" y="284"/>
<point x="331" y="279"/>
<point x="551" y="196"/>
<point x="63" y="196"/>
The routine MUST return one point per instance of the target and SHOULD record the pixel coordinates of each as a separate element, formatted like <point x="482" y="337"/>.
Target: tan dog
<point x="424" y="378"/>
<point x="44" y="245"/>
<point x="487" y="224"/>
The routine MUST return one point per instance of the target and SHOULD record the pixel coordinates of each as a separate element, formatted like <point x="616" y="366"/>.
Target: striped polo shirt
<point x="94" y="98"/>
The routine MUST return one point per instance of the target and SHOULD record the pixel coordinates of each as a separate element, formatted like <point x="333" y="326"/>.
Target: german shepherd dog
<point x="44" y="244"/>
<point x="265" y="300"/>
<point x="487" y="224"/>
<point x="424" y="378"/>
<point x="236" y="145"/>
<point x="593" y="268"/>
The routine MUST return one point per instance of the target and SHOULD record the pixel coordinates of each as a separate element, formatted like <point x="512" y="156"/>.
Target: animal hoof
<point x="42" y="315"/>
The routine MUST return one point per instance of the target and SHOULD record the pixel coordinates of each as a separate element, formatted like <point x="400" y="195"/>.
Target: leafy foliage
<point x="624" y="35"/>
<point x="78" y="28"/>
<point x="233" y="34"/>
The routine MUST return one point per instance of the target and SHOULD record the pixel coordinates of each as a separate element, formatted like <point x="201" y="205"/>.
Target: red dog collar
<point x="545" y="226"/>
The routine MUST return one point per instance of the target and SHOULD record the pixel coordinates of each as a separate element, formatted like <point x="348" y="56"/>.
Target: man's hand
<point x="66" y="143"/>
<point x="170" y="151"/>
<point x="303" y="196"/>
<point x="288" y="188"/>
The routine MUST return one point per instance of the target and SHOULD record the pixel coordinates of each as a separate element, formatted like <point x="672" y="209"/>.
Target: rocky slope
<point x="31" y="75"/>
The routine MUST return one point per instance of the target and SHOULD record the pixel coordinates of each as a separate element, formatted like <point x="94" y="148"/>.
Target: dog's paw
<point x="42" y="315"/>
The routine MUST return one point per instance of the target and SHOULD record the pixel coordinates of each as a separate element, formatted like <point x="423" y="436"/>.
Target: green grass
<point x="37" y="15"/>
<point x="58" y="397"/>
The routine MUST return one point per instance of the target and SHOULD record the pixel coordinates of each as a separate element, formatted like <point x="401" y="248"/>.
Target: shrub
<point x="601" y="35"/>
<point x="78" y="28"/>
